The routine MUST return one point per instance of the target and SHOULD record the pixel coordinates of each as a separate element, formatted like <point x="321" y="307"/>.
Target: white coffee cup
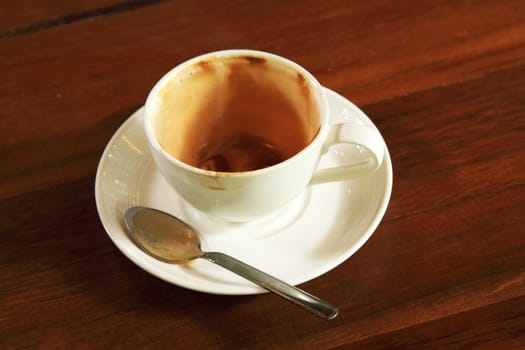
<point x="212" y="98"/>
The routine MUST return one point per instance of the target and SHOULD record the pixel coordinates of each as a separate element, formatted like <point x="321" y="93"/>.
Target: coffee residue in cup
<point x="236" y="113"/>
<point x="239" y="153"/>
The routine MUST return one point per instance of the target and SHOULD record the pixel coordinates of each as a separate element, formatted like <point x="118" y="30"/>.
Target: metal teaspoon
<point x="169" y="239"/>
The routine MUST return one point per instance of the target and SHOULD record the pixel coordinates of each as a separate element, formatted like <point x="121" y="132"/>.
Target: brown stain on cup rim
<point x="304" y="84"/>
<point x="254" y="59"/>
<point x="205" y="65"/>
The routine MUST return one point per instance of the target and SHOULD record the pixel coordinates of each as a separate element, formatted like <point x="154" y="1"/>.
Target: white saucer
<point x="318" y="231"/>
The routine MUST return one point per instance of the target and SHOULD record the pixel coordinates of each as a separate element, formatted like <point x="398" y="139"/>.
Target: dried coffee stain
<point x="216" y="187"/>
<point x="304" y="85"/>
<point x="254" y="59"/>
<point x="206" y="66"/>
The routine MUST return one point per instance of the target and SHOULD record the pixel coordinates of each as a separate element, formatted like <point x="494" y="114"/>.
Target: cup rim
<point x="322" y="103"/>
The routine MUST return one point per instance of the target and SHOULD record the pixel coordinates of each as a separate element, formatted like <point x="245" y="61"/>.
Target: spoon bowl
<point x="171" y="240"/>
<point x="163" y="236"/>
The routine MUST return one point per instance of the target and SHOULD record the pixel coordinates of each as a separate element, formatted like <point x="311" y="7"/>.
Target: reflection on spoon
<point x="169" y="239"/>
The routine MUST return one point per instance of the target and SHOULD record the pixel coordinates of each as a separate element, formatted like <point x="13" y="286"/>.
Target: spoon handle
<point x="306" y="300"/>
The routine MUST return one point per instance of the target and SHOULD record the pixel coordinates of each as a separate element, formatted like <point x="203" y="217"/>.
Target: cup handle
<point x="359" y="135"/>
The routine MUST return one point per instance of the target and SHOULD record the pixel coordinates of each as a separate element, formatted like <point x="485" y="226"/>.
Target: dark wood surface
<point x="443" y="80"/>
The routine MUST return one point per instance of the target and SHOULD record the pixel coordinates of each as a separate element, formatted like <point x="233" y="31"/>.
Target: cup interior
<point x="234" y="112"/>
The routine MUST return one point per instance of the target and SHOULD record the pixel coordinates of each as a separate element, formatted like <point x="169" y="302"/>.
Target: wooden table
<point x="444" y="81"/>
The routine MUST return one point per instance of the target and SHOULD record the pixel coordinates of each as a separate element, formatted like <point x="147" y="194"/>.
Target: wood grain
<point x="21" y="18"/>
<point x="80" y="78"/>
<point x="442" y="80"/>
<point x="498" y="326"/>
